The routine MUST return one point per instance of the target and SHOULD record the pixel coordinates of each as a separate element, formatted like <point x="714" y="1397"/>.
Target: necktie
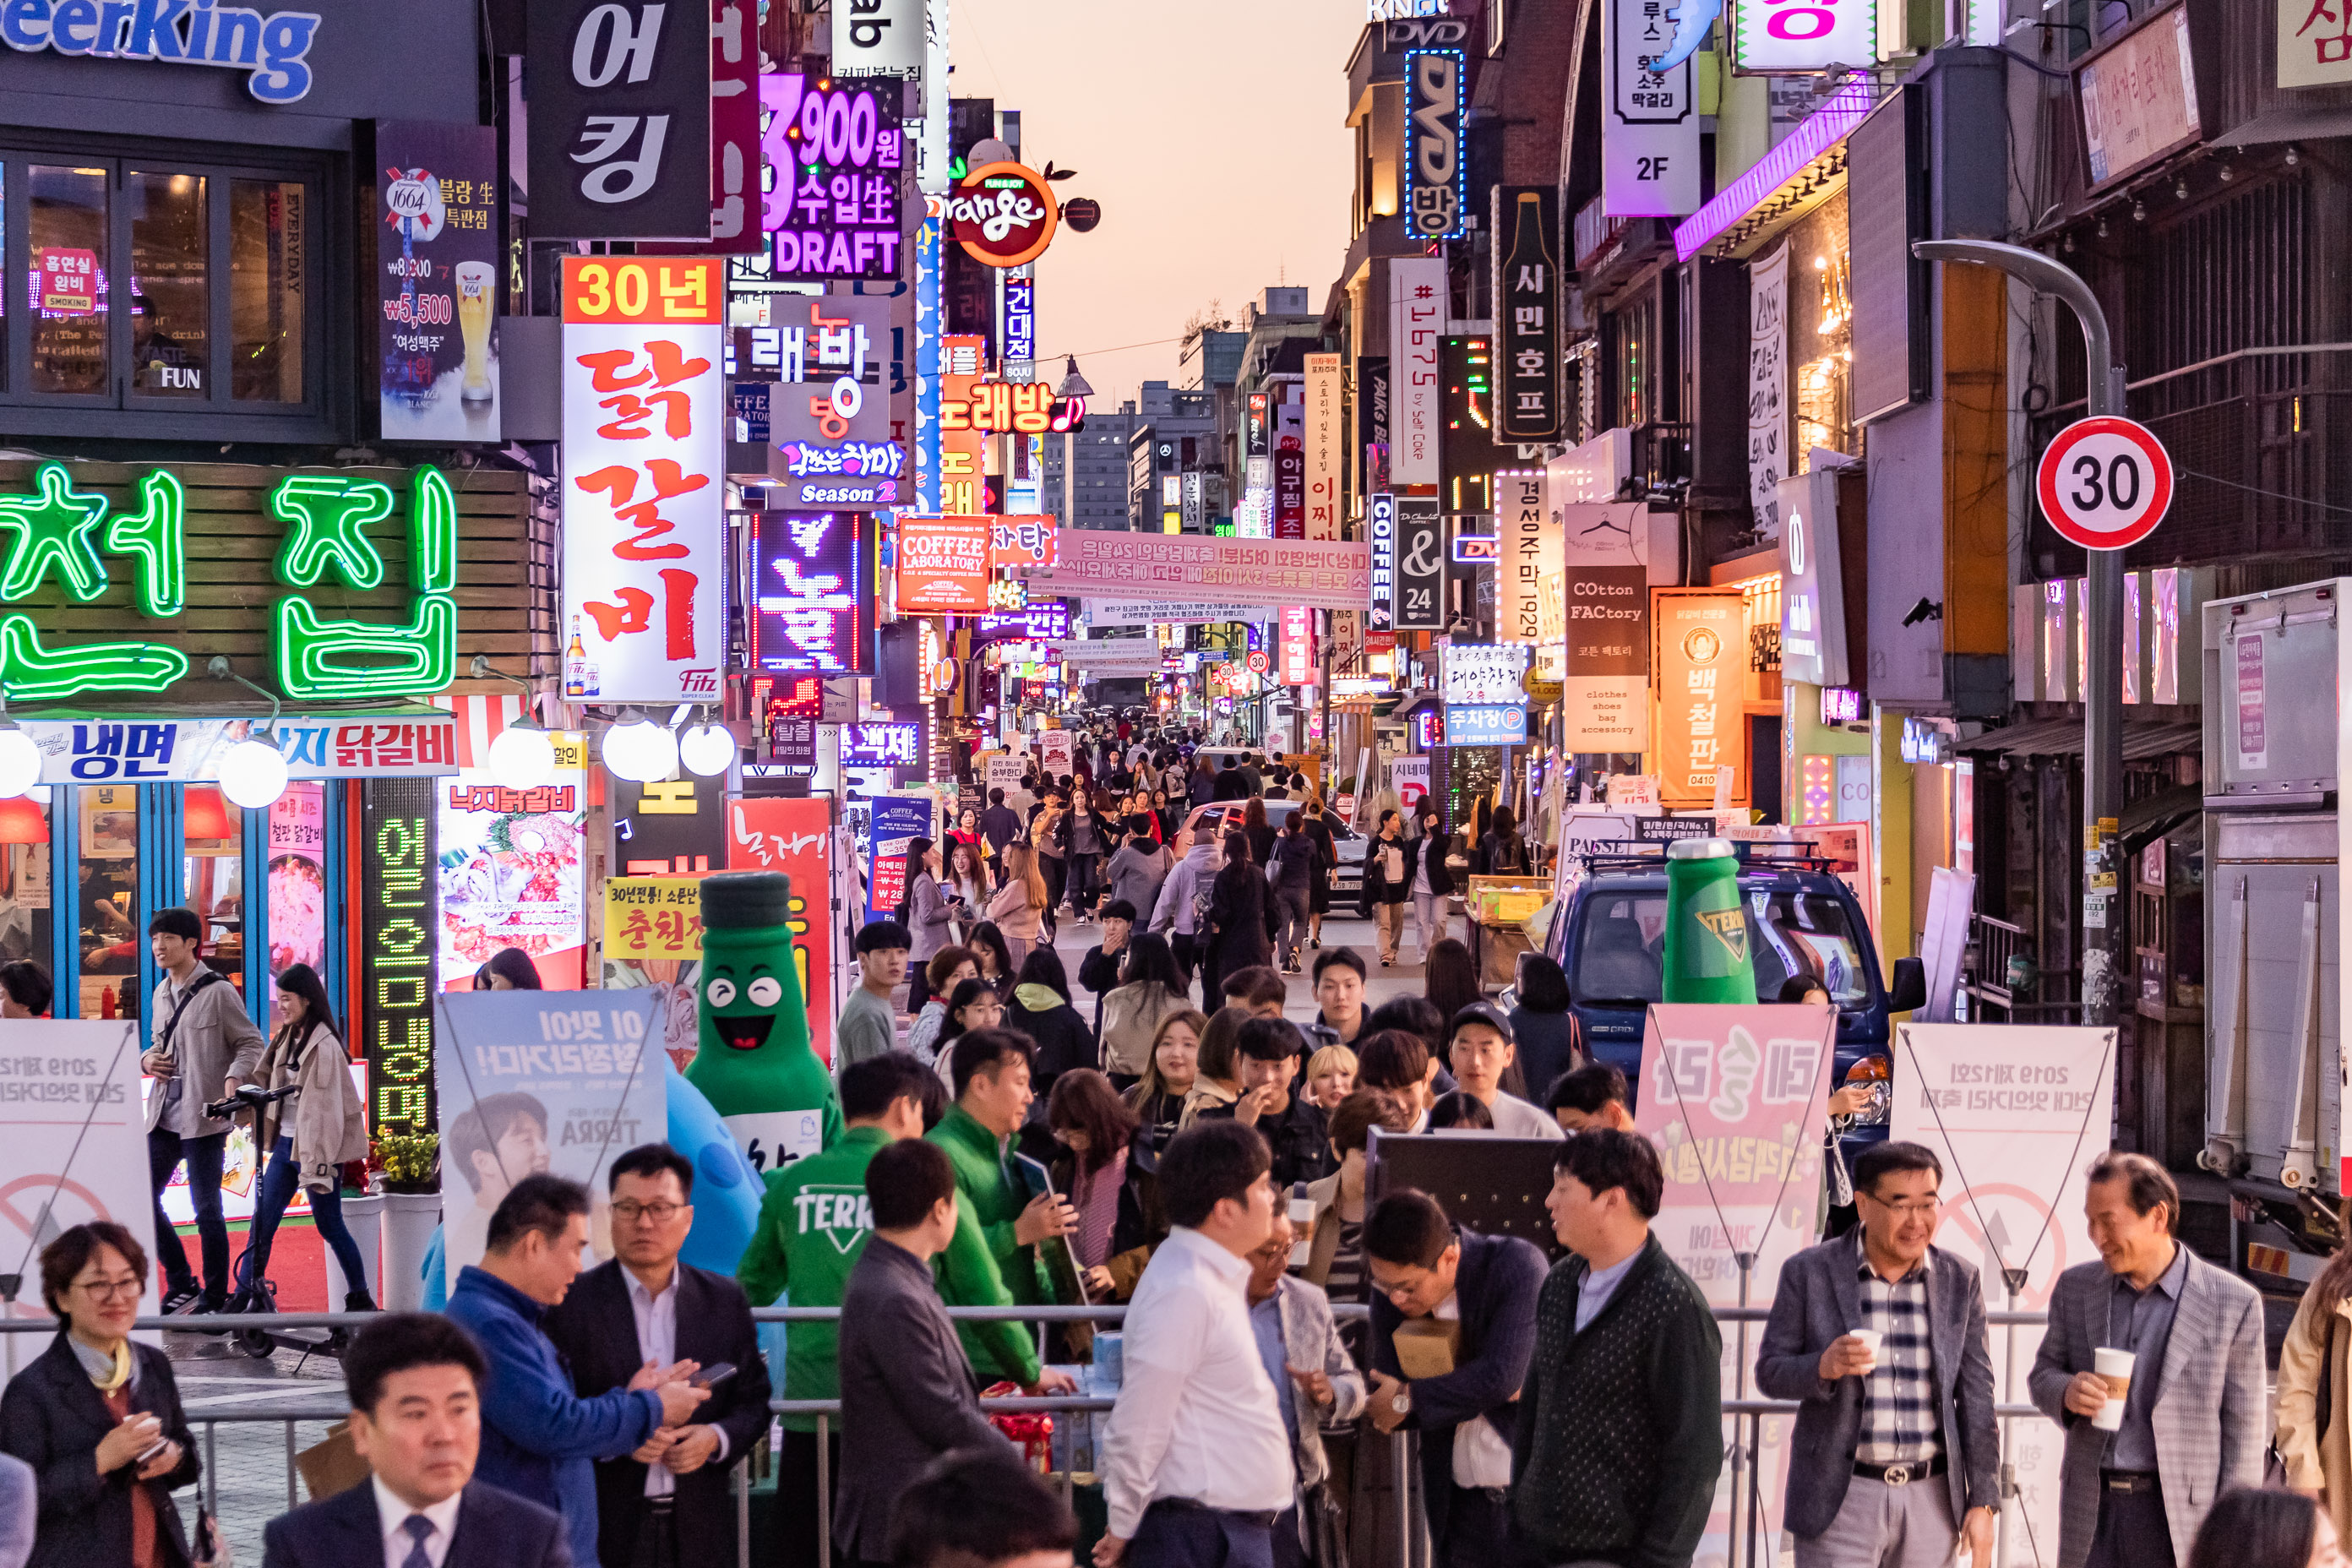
<point x="419" y="1528"/>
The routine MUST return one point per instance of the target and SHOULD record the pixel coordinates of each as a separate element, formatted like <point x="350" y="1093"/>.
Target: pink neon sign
<point x="1822" y="130"/>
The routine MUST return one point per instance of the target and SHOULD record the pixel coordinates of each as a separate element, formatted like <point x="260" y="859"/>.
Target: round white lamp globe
<point x="253" y="773"/>
<point x="706" y="749"/>
<point x="522" y="757"/>
<point x="20" y="763"/>
<point x="640" y="751"/>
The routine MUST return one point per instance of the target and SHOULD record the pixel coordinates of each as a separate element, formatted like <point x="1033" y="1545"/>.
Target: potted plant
<point x="407" y="1169"/>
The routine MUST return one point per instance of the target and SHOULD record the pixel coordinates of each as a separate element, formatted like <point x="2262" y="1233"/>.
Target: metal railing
<point x="1753" y="1535"/>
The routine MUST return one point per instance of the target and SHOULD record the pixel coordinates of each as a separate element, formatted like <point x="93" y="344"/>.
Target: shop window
<point x="106" y="903"/>
<point x="215" y="313"/>
<point x="28" y="920"/>
<point x="212" y="873"/>
<point x="298" y="881"/>
<point x="1821" y="326"/>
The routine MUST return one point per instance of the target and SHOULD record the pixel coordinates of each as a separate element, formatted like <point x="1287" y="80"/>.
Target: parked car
<point x="1347" y="842"/>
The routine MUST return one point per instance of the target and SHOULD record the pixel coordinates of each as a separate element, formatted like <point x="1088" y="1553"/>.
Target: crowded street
<point x="1044" y="784"/>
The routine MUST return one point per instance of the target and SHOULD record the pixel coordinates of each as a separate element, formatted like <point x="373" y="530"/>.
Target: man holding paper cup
<point x="1879" y="1335"/>
<point x="2153" y="1363"/>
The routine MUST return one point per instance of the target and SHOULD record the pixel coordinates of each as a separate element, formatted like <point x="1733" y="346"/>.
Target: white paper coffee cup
<point x="1871" y="1339"/>
<point x="2115" y="1366"/>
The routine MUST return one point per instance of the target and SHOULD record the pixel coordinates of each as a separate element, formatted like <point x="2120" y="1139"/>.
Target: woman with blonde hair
<point x="1331" y="1076"/>
<point x="1018" y="909"/>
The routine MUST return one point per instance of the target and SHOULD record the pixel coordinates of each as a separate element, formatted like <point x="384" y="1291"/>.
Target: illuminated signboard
<point x="839" y="163"/>
<point x="1038" y="623"/>
<point x="1002" y="214"/>
<point x="1437" y="175"/>
<point x="1841" y="705"/>
<point x="644" y="454"/>
<point x="397" y="926"/>
<point x="1021" y="407"/>
<point x="1484" y="672"/>
<point x="962" y="480"/>
<point x="811" y="603"/>
<point x="827" y="357"/>
<point x="943" y="565"/>
<point x="1475" y="549"/>
<point x="63" y="525"/>
<point x="1486" y="724"/>
<point x="1020" y="541"/>
<point x="1379" y="518"/>
<point x="881" y="745"/>
<point x="1298" y="662"/>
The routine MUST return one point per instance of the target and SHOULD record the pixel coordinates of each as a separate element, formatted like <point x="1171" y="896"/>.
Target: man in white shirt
<point x="1481" y="1055"/>
<point x="1196" y="1462"/>
<point x="415" y="1389"/>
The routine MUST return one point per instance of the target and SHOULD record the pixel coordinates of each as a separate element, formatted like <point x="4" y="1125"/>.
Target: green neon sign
<point x="57" y="531"/>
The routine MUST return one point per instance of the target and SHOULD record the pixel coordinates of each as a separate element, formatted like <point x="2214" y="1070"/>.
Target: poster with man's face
<point x="534" y="1082"/>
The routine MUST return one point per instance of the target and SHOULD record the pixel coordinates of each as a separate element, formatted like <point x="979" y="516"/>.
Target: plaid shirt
<point x="1899" y="1398"/>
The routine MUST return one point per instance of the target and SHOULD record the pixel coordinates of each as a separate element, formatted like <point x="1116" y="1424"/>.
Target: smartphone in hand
<point x="711" y="1376"/>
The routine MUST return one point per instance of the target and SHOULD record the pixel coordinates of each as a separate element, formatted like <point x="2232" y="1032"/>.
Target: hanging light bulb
<point x="706" y="749"/>
<point x="522" y="757"/>
<point x="640" y="751"/>
<point x="20" y="761"/>
<point x="253" y="773"/>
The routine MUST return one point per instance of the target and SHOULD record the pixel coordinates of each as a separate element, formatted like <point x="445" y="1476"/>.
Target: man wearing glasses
<point x="1879" y="1335"/>
<point x="635" y="1322"/>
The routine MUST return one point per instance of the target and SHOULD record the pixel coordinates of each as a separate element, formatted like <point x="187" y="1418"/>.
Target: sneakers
<point x="1316" y="942"/>
<point x="181" y="1298"/>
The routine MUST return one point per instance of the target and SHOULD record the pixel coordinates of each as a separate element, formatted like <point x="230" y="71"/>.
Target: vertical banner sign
<point x="2007" y="1110"/>
<point x="1527" y="547"/>
<point x="1735" y="1098"/>
<point x="735" y="198"/>
<point x="644" y="538"/>
<point x="1298" y="662"/>
<point x="1702" y="666"/>
<point x="1417" y="303"/>
<point x="810" y="597"/>
<point x="1768" y="387"/>
<point x="1436" y="175"/>
<point x="1381" y="530"/>
<point x="1324" y="398"/>
<point x="875" y="35"/>
<point x="794" y="836"/>
<point x="394" y="994"/>
<point x="1021" y="321"/>
<point x="620" y="120"/>
<point x="894" y="820"/>
<point x="1526" y="322"/>
<point x="532" y="1083"/>
<point x="840" y="162"/>
<point x="437" y="281"/>
<point x="71" y="1120"/>
<point x="1649" y="119"/>
<point x="1812" y="584"/>
<point x="1606" y="593"/>
<point x="1372" y="421"/>
<point x="1289" y="491"/>
<point x="1421" y="564"/>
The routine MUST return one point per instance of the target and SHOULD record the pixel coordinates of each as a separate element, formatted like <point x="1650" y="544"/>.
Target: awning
<point x="2063" y="738"/>
<point x="2289" y="125"/>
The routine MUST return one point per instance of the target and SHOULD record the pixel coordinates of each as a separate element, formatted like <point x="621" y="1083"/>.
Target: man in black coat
<point x="1471" y="1299"/>
<point x="907" y="1392"/>
<point x="415" y="1389"/>
<point x="667" y="1502"/>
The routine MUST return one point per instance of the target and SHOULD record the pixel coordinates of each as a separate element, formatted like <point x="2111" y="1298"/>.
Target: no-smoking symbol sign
<point x="2104" y="482"/>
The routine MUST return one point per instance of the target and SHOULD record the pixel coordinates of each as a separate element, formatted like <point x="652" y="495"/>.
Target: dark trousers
<point x="165" y="1150"/>
<point x="1478" y="1533"/>
<point x="279" y="1185"/>
<point x="796" y="1493"/>
<point x="1181" y="946"/>
<point x="1172" y="1536"/>
<point x="1288" y="1551"/>
<point x="919" y="986"/>
<point x="2133" y="1532"/>
<point x="656" y="1543"/>
<point x="1083" y="887"/>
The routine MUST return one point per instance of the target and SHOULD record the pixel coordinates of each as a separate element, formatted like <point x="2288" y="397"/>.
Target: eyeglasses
<point x="629" y="1212"/>
<point x="110" y="1289"/>
<point x="1907" y="1211"/>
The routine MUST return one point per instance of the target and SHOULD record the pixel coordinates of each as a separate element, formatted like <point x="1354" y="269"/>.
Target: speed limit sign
<point x="2104" y="482"/>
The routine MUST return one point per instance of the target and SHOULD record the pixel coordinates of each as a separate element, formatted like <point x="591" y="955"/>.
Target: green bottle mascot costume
<point x="1706" y="956"/>
<point x="753" y="1061"/>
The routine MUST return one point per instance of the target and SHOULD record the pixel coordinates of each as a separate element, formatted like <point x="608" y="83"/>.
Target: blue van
<point x="1801" y="920"/>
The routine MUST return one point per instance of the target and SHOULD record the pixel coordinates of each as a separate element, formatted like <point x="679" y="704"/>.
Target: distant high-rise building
<point x="1094" y="461"/>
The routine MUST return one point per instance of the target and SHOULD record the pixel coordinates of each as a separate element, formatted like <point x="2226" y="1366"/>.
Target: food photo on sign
<point x="513" y="870"/>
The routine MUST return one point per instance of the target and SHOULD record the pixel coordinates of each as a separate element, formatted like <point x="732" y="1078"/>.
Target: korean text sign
<point x="1702" y="664"/>
<point x="650" y="920"/>
<point x="811" y="603"/>
<point x="896" y="820"/>
<point x="840" y="171"/>
<point x="619" y="119"/>
<point x="1735" y="1099"/>
<point x="643" y="534"/>
<point x="1325" y="575"/>
<point x="437" y="281"/>
<point x="943" y="564"/>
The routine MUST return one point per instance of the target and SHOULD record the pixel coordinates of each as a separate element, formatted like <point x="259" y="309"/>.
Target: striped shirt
<point x="1899" y="1398"/>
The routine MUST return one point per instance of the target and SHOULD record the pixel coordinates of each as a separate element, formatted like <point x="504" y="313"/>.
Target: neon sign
<point x="58" y="532"/>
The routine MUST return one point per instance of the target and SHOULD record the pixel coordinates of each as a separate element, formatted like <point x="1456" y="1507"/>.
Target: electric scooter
<point x="256" y="1293"/>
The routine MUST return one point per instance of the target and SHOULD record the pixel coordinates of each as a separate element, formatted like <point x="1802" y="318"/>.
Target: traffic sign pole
<point x="2103" y="906"/>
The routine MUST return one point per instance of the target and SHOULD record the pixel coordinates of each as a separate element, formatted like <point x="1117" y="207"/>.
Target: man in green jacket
<point x="812" y="1224"/>
<point x="993" y="1261"/>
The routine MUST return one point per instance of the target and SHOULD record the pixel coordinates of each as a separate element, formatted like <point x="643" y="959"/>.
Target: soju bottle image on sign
<point x="752" y="1059"/>
<point x="1706" y="956"/>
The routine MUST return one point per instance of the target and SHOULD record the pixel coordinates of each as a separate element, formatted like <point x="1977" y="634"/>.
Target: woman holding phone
<point x="99" y="1417"/>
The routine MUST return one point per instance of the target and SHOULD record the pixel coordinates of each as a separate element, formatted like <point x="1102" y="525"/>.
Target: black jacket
<point x="1300" y="1137"/>
<point x="1064" y="1041"/>
<point x="1240" y="914"/>
<point x="907" y="1396"/>
<point x="1261" y="843"/>
<point x="1098" y="971"/>
<point x="597" y="1332"/>
<point x="1379" y="889"/>
<point x="1229" y="785"/>
<point x="1500" y="855"/>
<point x="52" y="1417"/>
<point x="1295" y="865"/>
<point x="1619" y="1436"/>
<point x="494" y="1529"/>
<point x="1496" y="1287"/>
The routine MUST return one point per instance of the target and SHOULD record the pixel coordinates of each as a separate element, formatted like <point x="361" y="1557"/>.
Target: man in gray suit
<point x="2194" y="1413"/>
<point x="1895" y="1456"/>
<point x="907" y="1394"/>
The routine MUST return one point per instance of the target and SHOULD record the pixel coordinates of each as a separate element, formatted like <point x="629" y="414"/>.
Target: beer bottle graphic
<point x="581" y="678"/>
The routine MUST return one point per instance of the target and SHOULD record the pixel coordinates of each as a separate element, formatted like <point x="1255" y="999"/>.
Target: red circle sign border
<point x="2054" y="458"/>
<point x="1045" y="193"/>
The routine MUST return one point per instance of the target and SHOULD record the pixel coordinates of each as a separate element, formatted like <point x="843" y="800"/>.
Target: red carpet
<point x="298" y="1262"/>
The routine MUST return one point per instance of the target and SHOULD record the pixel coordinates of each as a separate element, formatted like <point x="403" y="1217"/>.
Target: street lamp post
<point x="2102" y="681"/>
